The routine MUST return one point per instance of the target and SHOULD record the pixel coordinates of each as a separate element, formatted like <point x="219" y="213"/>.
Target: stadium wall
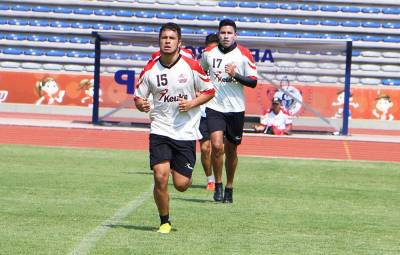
<point x="379" y="103"/>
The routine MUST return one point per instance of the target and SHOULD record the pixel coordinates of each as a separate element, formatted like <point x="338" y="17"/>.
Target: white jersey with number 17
<point x="167" y="85"/>
<point x="229" y="96"/>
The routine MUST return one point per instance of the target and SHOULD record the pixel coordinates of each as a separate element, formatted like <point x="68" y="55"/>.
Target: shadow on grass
<point x="136" y="227"/>
<point x="195" y="200"/>
<point x="197" y="186"/>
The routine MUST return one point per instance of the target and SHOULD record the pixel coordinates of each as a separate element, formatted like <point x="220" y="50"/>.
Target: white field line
<point x="90" y="240"/>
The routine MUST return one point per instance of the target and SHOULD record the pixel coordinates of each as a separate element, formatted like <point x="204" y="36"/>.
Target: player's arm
<point x="142" y="93"/>
<point x="249" y="81"/>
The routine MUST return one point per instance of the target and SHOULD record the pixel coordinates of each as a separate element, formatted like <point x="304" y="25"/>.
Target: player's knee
<point x="160" y="179"/>
<point x="182" y="186"/>
<point x="206" y="148"/>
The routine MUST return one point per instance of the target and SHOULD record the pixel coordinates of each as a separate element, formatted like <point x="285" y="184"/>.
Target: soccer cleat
<point x="165" y="228"/>
<point x="218" y="192"/>
<point x="210" y="186"/>
<point x="228" y="195"/>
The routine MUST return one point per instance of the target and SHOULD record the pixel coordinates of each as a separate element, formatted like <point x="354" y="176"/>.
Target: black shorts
<point x="180" y="154"/>
<point x="230" y="122"/>
<point x="204" y="129"/>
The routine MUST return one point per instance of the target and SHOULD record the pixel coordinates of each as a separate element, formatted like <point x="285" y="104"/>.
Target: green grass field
<point x="59" y="200"/>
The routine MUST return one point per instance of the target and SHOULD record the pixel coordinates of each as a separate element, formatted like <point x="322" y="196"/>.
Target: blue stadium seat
<point x="37" y="38"/>
<point x="269" y="5"/>
<point x="392" y="39"/>
<point x="248" y="4"/>
<point x="63" y="10"/>
<point x="188" y="31"/>
<point x="145" y="14"/>
<point x="165" y="15"/>
<point x="352" y="37"/>
<point x="82" y="40"/>
<point x="103" y="12"/>
<point x="289" y="6"/>
<point x="371" y="38"/>
<point x="268" y="34"/>
<point x="227" y="4"/>
<point x="34" y="52"/>
<point x="288" y="21"/>
<point x="234" y="18"/>
<point x="351" y="23"/>
<point x="308" y="7"/>
<point x="371" y="10"/>
<point x="327" y="22"/>
<point x="204" y="31"/>
<point x="268" y="20"/>
<point x="81" y="25"/>
<point x="331" y="36"/>
<point x="206" y="17"/>
<point x="13" y="51"/>
<point x="355" y="53"/>
<point x="247" y="33"/>
<point x="144" y="29"/>
<point x="16" y="37"/>
<point x="60" y="23"/>
<point x="247" y="19"/>
<point x="124" y="13"/>
<point x="371" y="24"/>
<point x="352" y="9"/>
<point x="77" y="54"/>
<point x="41" y="8"/>
<point x="39" y="23"/>
<point x="391" y="25"/>
<point x="140" y="57"/>
<point x="391" y="82"/>
<point x="329" y="8"/>
<point x="288" y="34"/>
<point x="309" y="35"/>
<point x="312" y="22"/>
<point x="119" y="56"/>
<point x="58" y="39"/>
<point x="391" y="10"/>
<point x="101" y="26"/>
<point x="23" y="8"/>
<point x="2" y="36"/>
<point x="4" y="7"/>
<point x="122" y="28"/>
<point x="55" y="53"/>
<point x="83" y="11"/>
<point x="186" y="16"/>
<point x="18" y="22"/>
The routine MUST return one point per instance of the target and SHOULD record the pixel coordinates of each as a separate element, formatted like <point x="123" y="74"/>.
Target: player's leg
<point x="160" y="154"/>
<point x="234" y="133"/>
<point x="205" y="148"/>
<point x="216" y="127"/>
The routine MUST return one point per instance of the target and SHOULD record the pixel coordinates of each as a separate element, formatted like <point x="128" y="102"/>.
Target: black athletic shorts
<point x="180" y="154"/>
<point x="204" y="129"/>
<point x="230" y="122"/>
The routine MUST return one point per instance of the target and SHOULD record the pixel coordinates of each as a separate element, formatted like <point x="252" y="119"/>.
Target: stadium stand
<point x="61" y="38"/>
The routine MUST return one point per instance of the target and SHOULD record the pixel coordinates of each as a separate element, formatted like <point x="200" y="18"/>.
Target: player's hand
<point x="230" y="69"/>
<point x="184" y="105"/>
<point x="144" y="106"/>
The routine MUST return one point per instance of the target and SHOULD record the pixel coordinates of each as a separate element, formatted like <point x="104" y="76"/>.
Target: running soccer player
<point x="173" y="80"/>
<point x="231" y="67"/>
<point x="205" y="143"/>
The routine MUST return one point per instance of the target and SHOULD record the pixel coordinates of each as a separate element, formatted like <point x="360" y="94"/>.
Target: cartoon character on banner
<point x="340" y="102"/>
<point x="291" y="98"/>
<point x="3" y="95"/>
<point x="88" y="86"/>
<point x="49" y="92"/>
<point x="383" y="104"/>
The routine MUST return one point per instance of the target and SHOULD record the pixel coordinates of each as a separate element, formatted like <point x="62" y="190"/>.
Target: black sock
<point x="164" y="219"/>
<point x="218" y="185"/>
<point x="228" y="190"/>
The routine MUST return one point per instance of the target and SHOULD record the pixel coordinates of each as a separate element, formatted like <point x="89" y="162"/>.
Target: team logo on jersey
<point x="170" y="99"/>
<point x="182" y="78"/>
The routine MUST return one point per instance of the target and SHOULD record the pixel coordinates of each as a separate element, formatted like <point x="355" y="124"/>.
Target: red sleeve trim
<point x="208" y="92"/>
<point x="247" y="54"/>
<point x="252" y="77"/>
<point x="146" y="68"/>
<point x="194" y="65"/>
<point x="187" y="53"/>
<point x="209" y="48"/>
<point x="155" y="55"/>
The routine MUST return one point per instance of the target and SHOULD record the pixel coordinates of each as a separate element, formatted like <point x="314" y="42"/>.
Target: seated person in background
<point x="276" y="121"/>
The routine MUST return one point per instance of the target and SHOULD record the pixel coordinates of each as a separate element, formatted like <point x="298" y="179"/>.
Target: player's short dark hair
<point x="171" y="26"/>
<point x="212" y="38"/>
<point x="227" y="22"/>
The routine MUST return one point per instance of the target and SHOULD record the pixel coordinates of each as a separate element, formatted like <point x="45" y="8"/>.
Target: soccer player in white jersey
<point x="231" y="67"/>
<point x="173" y="80"/>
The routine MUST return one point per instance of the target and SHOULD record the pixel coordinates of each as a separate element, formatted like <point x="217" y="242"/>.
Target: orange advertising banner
<point x="77" y="90"/>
